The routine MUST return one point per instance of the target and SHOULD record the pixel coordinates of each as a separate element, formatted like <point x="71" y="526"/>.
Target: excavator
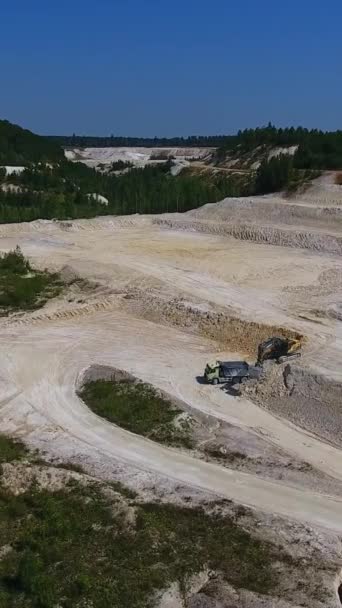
<point x="280" y="349"/>
<point x="231" y="372"/>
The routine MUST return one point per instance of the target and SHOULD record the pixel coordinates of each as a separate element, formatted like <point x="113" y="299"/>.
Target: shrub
<point x="14" y="262"/>
<point x="22" y="288"/>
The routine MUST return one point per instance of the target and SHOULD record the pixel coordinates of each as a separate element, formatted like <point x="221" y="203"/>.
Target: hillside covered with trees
<point x="316" y="149"/>
<point x="21" y="147"/>
<point x="53" y="187"/>
<point x="68" y="190"/>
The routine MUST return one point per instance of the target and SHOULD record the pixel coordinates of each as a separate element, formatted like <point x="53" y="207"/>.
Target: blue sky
<point x="176" y="67"/>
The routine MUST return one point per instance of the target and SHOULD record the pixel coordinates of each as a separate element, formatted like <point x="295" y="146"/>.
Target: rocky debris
<point x="105" y="372"/>
<point x="332" y="312"/>
<point x="219" y="594"/>
<point x="309" y="400"/>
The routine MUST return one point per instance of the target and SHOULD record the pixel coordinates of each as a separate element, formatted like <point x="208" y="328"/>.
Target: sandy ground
<point x="131" y="264"/>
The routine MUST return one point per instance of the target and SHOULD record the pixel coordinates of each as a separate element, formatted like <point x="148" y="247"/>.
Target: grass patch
<point x="137" y="407"/>
<point x="22" y="288"/>
<point x="11" y="449"/>
<point x="71" y="549"/>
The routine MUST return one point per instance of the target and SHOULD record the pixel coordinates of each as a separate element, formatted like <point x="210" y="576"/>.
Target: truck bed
<point x="229" y="369"/>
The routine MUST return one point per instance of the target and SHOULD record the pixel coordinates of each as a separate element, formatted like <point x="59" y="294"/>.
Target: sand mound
<point x="306" y="399"/>
<point x="272" y="235"/>
<point x="267" y="210"/>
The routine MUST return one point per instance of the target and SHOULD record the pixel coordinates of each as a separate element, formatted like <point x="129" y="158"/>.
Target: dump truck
<point x="230" y="372"/>
<point x="233" y="372"/>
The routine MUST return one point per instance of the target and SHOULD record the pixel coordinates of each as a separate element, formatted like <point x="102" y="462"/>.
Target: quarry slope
<point x="149" y="281"/>
<point x="139" y="157"/>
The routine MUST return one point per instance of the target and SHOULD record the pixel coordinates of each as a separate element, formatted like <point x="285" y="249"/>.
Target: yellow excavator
<point x="280" y="349"/>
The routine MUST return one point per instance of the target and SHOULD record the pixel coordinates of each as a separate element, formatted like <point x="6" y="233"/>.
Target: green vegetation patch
<point x="139" y="408"/>
<point x="19" y="146"/>
<point x="21" y="287"/>
<point x="52" y="187"/>
<point x="316" y="149"/>
<point x="279" y="173"/>
<point x="74" y="550"/>
<point x="62" y="191"/>
<point x="11" y="449"/>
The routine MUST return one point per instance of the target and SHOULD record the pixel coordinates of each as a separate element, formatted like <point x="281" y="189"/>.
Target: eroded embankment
<point x="276" y="210"/>
<point x="314" y="241"/>
<point x="229" y="331"/>
<point x="51" y="227"/>
<point x="309" y="400"/>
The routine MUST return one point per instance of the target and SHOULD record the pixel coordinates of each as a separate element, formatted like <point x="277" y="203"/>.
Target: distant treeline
<point x="21" y="147"/>
<point x="84" y="141"/>
<point x="316" y="149"/>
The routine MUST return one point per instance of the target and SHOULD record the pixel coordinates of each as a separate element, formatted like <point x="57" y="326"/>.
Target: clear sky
<point x="170" y="67"/>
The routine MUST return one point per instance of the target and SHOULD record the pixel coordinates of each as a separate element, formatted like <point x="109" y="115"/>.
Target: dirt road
<point x="44" y="402"/>
<point x="45" y="353"/>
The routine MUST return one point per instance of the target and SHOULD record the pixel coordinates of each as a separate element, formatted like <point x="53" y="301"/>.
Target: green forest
<point x="21" y="147"/>
<point x="52" y="187"/>
<point x="64" y="192"/>
<point x="316" y="149"/>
